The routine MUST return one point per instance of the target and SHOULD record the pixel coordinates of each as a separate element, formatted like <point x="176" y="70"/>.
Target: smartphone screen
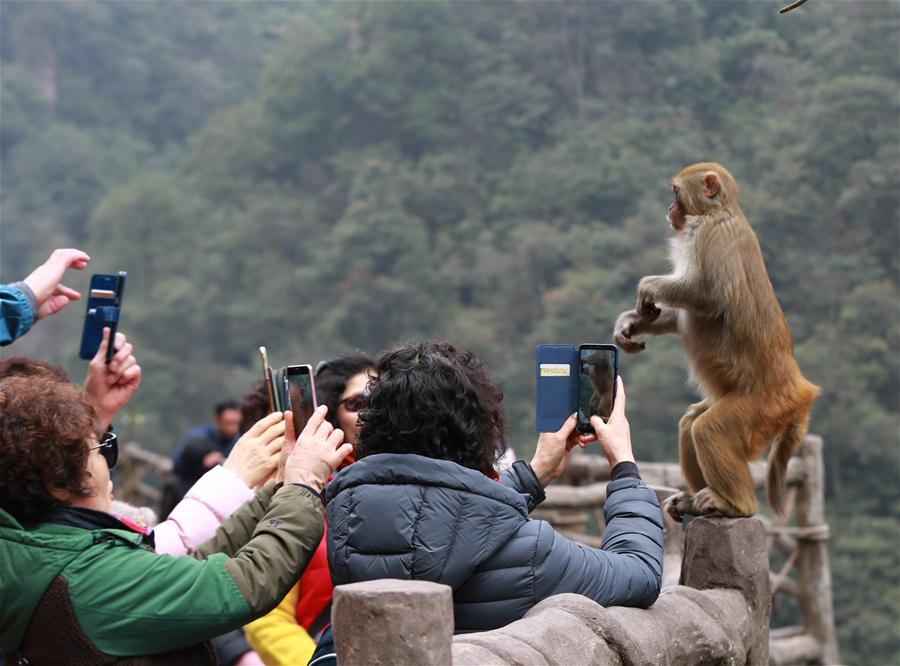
<point x="299" y="394"/>
<point x="597" y="369"/>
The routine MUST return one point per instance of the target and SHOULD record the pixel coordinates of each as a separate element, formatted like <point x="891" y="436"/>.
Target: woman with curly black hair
<point x="423" y="502"/>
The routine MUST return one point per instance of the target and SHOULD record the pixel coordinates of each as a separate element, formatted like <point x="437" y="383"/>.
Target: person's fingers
<point x="121" y="366"/>
<point x="69" y="258"/>
<point x="52" y="305"/>
<point x="123" y="351"/>
<point x="338" y="456"/>
<point x="315" y="421"/>
<point x="272" y="432"/>
<point x="335" y="439"/>
<point x="68" y="292"/>
<point x="584" y="439"/>
<point x="130" y="374"/>
<point x="264" y="423"/>
<point x="100" y="356"/>
<point x="598" y="425"/>
<point x="290" y="433"/>
<point x="324" y="430"/>
<point x="274" y="447"/>
<point x="568" y="426"/>
<point x="619" y="405"/>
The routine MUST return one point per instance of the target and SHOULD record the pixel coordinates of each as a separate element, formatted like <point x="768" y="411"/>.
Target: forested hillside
<point x="321" y="177"/>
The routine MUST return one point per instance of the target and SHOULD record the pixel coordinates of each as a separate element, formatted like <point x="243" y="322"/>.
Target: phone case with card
<point x="557" y="391"/>
<point x="103" y="307"/>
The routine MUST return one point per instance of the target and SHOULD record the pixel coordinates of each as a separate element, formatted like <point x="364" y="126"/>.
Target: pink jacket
<point x="195" y="519"/>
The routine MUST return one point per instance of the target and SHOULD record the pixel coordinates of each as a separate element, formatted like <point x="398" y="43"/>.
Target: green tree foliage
<point x="317" y="177"/>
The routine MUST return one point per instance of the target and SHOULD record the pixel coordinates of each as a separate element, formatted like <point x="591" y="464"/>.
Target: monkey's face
<point x="675" y="215"/>
<point x="699" y="189"/>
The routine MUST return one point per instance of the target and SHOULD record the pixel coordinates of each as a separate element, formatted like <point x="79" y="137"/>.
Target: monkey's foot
<point x="708" y="503"/>
<point x="705" y="502"/>
<point x="679" y="505"/>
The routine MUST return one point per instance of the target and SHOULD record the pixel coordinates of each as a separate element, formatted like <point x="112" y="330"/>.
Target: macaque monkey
<point x="720" y="301"/>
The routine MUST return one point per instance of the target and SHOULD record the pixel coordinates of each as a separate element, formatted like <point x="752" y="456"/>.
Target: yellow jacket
<point x="277" y="638"/>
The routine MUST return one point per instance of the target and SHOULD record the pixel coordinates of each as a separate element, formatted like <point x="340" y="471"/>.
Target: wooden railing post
<point x="812" y="544"/>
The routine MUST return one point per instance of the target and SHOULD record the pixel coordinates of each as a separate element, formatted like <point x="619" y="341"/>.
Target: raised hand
<point x="553" y="448"/>
<point x="109" y="387"/>
<point x="45" y="281"/>
<point x="615" y="435"/>
<point x="255" y="456"/>
<point x="290" y="441"/>
<point x="320" y="450"/>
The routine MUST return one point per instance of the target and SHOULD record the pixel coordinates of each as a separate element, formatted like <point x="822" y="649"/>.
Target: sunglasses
<point x="109" y="448"/>
<point x="355" y="403"/>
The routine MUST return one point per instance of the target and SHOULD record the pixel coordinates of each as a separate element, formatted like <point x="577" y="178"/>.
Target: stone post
<point x="733" y="553"/>
<point x="388" y="621"/>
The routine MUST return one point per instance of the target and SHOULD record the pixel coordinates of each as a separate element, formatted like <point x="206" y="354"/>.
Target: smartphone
<point x="299" y="394"/>
<point x="104" y="306"/>
<point x="267" y="378"/>
<point x="598" y="367"/>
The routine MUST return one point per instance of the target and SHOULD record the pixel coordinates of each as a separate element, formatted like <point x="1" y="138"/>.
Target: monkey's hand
<point x="628" y="325"/>
<point x="648" y="295"/>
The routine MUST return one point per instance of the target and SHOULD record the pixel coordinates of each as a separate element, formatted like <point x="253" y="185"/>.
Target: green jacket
<point x="131" y="601"/>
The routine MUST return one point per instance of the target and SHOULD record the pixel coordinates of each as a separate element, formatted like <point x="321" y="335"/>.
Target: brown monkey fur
<point x="720" y="301"/>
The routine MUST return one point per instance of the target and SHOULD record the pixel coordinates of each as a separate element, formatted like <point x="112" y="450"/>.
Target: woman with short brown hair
<point x="73" y="571"/>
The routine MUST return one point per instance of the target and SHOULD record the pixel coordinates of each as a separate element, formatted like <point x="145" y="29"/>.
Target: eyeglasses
<point x="355" y="403"/>
<point x="109" y="448"/>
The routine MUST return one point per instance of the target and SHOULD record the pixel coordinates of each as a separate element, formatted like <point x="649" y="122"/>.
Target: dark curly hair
<point x="332" y="377"/>
<point x="44" y="426"/>
<point x="21" y="366"/>
<point x="434" y="400"/>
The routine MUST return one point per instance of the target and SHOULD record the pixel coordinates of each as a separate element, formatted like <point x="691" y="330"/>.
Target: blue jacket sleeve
<point x="17" y="311"/>
<point x="626" y="570"/>
<point x="521" y="478"/>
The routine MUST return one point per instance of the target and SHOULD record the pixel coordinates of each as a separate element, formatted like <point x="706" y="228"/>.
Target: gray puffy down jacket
<point x="411" y="517"/>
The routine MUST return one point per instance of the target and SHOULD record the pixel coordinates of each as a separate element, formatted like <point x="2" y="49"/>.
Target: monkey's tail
<point x="776" y="471"/>
<point x="782" y="450"/>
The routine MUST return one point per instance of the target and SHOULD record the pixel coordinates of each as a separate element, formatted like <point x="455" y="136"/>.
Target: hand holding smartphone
<point x="299" y="391"/>
<point x="571" y="379"/>
<point x="104" y="306"/>
<point x="291" y="388"/>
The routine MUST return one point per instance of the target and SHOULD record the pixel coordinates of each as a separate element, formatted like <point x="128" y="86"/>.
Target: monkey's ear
<point x="710" y="184"/>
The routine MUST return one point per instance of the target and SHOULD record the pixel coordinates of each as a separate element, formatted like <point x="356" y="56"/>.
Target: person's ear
<point x="62" y="495"/>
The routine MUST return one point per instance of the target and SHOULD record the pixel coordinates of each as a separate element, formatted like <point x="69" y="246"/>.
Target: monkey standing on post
<point x="720" y="301"/>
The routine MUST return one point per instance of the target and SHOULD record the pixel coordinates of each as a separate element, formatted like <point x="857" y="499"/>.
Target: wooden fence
<point x="799" y="543"/>
<point x="574" y="505"/>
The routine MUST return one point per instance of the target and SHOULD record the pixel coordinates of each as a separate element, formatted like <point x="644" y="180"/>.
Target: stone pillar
<point x="388" y="621"/>
<point x="733" y="553"/>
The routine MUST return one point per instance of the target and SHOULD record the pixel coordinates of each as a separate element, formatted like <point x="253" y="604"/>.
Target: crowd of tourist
<point x="397" y="474"/>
